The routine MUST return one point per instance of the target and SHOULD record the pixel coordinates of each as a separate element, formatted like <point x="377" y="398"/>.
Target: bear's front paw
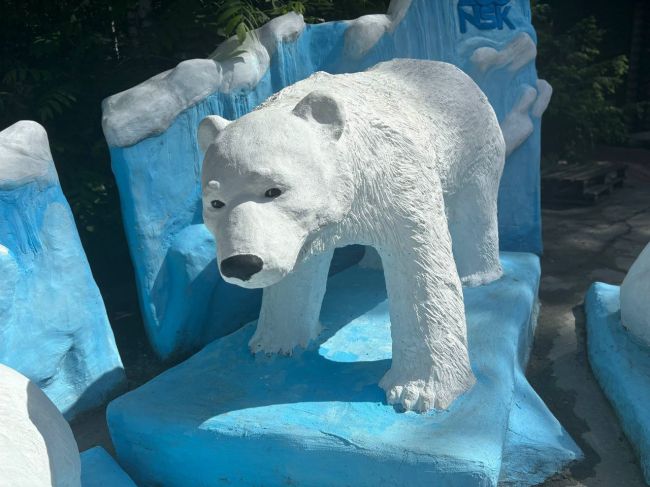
<point x="421" y="393"/>
<point x="283" y="342"/>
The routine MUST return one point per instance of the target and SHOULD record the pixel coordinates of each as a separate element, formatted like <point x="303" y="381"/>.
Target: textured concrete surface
<point x="583" y="245"/>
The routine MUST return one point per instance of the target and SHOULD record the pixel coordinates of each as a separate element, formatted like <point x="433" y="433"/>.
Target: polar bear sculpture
<point x="635" y="302"/>
<point x="36" y="444"/>
<point x="405" y="157"/>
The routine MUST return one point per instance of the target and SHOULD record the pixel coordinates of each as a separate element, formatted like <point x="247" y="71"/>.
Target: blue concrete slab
<point x="319" y="417"/>
<point x="159" y="176"/>
<point x="536" y="446"/>
<point x="621" y="366"/>
<point x="98" y="469"/>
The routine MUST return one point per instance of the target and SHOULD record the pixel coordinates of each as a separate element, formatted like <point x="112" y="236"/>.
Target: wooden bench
<point x="581" y="184"/>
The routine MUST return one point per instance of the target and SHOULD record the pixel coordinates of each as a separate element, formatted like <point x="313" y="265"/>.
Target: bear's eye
<point x="273" y="193"/>
<point x="217" y="204"/>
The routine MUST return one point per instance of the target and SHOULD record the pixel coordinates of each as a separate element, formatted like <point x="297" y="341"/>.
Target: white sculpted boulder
<point x="37" y="448"/>
<point x="635" y="298"/>
<point x="405" y="157"/>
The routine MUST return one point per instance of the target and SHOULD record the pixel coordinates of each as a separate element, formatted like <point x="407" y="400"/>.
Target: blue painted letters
<point x="484" y="14"/>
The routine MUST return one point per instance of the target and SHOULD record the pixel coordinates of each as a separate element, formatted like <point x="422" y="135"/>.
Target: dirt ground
<point x="582" y="245"/>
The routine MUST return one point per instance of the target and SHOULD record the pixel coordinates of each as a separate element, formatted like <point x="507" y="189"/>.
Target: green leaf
<point x="229" y="13"/>
<point x="233" y="24"/>
<point x="242" y="31"/>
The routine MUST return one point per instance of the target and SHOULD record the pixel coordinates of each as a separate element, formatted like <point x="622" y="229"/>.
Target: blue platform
<point x="98" y="469"/>
<point x="319" y="417"/>
<point x="622" y="367"/>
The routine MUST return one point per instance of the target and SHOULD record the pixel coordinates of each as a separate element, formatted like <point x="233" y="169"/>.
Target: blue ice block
<point x="53" y="324"/>
<point x="98" y="469"/>
<point x="621" y="365"/>
<point x="319" y="417"/>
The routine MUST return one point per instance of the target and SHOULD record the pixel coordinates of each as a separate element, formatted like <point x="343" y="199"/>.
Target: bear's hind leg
<point x="473" y="225"/>
<point x="291" y="308"/>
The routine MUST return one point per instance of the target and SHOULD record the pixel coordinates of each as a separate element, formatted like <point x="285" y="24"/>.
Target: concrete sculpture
<point x="319" y="417"/>
<point x="53" y="324"/>
<point x="151" y="129"/>
<point x="344" y="163"/>
<point x="36" y="444"/>
<point x="635" y="299"/>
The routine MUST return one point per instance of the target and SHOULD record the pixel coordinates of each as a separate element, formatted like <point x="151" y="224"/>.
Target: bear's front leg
<point x="291" y="308"/>
<point x="430" y="365"/>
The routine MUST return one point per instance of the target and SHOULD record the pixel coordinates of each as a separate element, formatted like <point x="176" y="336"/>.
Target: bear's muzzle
<point x="242" y="267"/>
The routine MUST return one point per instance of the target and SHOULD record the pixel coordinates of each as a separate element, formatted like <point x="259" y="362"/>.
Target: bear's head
<point x="271" y="182"/>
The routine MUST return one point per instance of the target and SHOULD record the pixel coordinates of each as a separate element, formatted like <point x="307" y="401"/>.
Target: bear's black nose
<point x="242" y="266"/>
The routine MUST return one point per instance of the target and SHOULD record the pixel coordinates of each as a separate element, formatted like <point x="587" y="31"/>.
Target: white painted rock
<point x="635" y="298"/>
<point x="363" y="33"/>
<point x="405" y="157"/>
<point x="150" y="107"/>
<point x="25" y="156"/>
<point x="37" y="448"/>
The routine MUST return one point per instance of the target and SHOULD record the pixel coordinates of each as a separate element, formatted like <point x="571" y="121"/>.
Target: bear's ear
<point x="323" y="109"/>
<point x="209" y="128"/>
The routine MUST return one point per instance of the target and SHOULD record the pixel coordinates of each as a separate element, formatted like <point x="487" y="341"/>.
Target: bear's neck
<point x="383" y="172"/>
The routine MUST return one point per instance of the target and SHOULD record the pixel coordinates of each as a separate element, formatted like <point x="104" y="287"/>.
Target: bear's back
<point x="432" y="107"/>
<point x="436" y="88"/>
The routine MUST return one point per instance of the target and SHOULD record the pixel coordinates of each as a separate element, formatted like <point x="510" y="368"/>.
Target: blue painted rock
<point x="53" y="324"/>
<point x="319" y="418"/>
<point x="98" y="469"/>
<point x="621" y="364"/>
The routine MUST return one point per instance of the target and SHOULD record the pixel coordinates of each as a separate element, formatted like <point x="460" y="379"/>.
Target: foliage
<point x="583" y="110"/>
<point x="638" y="115"/>
<point x="53" y="60"/>
<point x="238" y="17"/>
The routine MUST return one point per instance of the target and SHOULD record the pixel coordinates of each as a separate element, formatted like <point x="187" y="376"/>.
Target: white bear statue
<point x="406" y="158"/>
<point x="37" y="448"/>
<point x="635" y="298"/>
